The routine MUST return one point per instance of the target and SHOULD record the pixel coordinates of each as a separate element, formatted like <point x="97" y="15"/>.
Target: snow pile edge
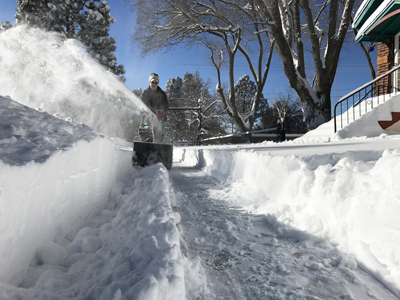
<point x="147" y="224"/>
<point x="70" y="186"/>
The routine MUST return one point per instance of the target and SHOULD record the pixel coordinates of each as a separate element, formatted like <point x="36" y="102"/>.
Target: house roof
<point x="365" y="10"/>
<point x="377" y="20"/>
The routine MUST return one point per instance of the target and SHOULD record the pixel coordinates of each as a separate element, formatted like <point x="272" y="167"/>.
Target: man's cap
<point x="154" y="76"/>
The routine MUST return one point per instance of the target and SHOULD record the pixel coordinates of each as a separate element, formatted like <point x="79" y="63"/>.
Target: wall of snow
<point x="64" y="190"/>
<point x="352" y="199"/>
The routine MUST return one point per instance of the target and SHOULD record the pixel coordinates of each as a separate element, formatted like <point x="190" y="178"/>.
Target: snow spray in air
<point x="45" y="70"/>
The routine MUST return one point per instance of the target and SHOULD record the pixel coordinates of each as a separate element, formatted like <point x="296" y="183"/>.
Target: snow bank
<point x="130" y="249"/>
<point x="78" y="221"/>
<point x="352" y="199"/>
<point x="50" y="199"/>
<point x="147" y="224"/>
<point x="53" y="175"/>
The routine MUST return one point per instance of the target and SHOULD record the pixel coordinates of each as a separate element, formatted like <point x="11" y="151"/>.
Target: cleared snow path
<point x="255" y="256"/>
<point x="172" y="235"/>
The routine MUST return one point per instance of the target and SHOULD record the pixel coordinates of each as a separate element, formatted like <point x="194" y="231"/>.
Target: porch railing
<point x="364" y="99"/>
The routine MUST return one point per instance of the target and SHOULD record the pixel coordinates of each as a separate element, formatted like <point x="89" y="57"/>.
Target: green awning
<point x="381" y="24"/>
<point x="366" y="9"/>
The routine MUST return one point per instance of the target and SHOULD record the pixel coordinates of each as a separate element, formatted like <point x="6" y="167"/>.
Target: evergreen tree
<point x="34" y="12"/>
<point x="5" y="26"/>
<point x="189" y="125"/>
<point x="207" y="121"/>
<point x="174" y="90"/>
<point x="192" y="87"/>
<point x="85" y="20"/>
<point x="94" y="34"/>
<point x="137" y="92"/>
<point x="178" y="125"/>
<point x="267" y="115"/>
<point x="245" y="91"/>
<point x="194" y="93"/>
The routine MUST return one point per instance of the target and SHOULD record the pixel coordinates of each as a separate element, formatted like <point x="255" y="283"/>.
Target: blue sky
<point x="353" y="70"/>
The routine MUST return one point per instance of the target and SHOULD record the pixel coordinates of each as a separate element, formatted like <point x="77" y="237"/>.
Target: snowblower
<point x="145" y="150"/>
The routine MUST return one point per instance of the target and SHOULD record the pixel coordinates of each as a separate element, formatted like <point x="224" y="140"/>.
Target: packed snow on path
<point x="225" y="223"/>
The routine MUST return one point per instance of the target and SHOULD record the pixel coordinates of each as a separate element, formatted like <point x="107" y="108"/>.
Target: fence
<point x="241" y="138"/>
<point x="274" y="134"/>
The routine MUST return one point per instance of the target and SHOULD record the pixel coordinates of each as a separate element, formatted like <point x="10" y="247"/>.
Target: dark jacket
<point x="155" y="100"/>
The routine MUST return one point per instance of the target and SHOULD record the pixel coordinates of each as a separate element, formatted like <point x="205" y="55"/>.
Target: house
<point x="378" y="21"/>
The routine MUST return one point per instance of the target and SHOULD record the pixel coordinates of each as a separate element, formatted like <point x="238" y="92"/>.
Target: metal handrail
<point x="367" y="91"/>
<point x="184" y="108"/>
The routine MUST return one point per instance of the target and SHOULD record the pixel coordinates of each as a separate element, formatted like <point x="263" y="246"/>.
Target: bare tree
<point x="226" y="27"/>
<point x="322" y="25"/>
<point x="367" y="55"/>
<point x="366" y="49"/>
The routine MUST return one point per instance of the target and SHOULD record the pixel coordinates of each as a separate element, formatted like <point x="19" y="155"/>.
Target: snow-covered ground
<point x="314" y="218"/>
<point x="308" y="219"/>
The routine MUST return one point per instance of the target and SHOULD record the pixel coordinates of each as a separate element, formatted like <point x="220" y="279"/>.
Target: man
<point x="156" y="100"/>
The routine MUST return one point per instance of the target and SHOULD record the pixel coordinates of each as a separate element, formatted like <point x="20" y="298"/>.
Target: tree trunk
<point x="317" y="112"/>
<point x="315" y="101"/>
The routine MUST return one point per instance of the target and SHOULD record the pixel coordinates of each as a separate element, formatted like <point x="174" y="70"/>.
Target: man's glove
<point x="160" y="112"/>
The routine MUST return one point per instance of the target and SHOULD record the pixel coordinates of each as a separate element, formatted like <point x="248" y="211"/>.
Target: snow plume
<point x="44" y="70"/>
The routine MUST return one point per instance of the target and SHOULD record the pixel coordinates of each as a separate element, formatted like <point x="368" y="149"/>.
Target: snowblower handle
<point x="159" y="112"/>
